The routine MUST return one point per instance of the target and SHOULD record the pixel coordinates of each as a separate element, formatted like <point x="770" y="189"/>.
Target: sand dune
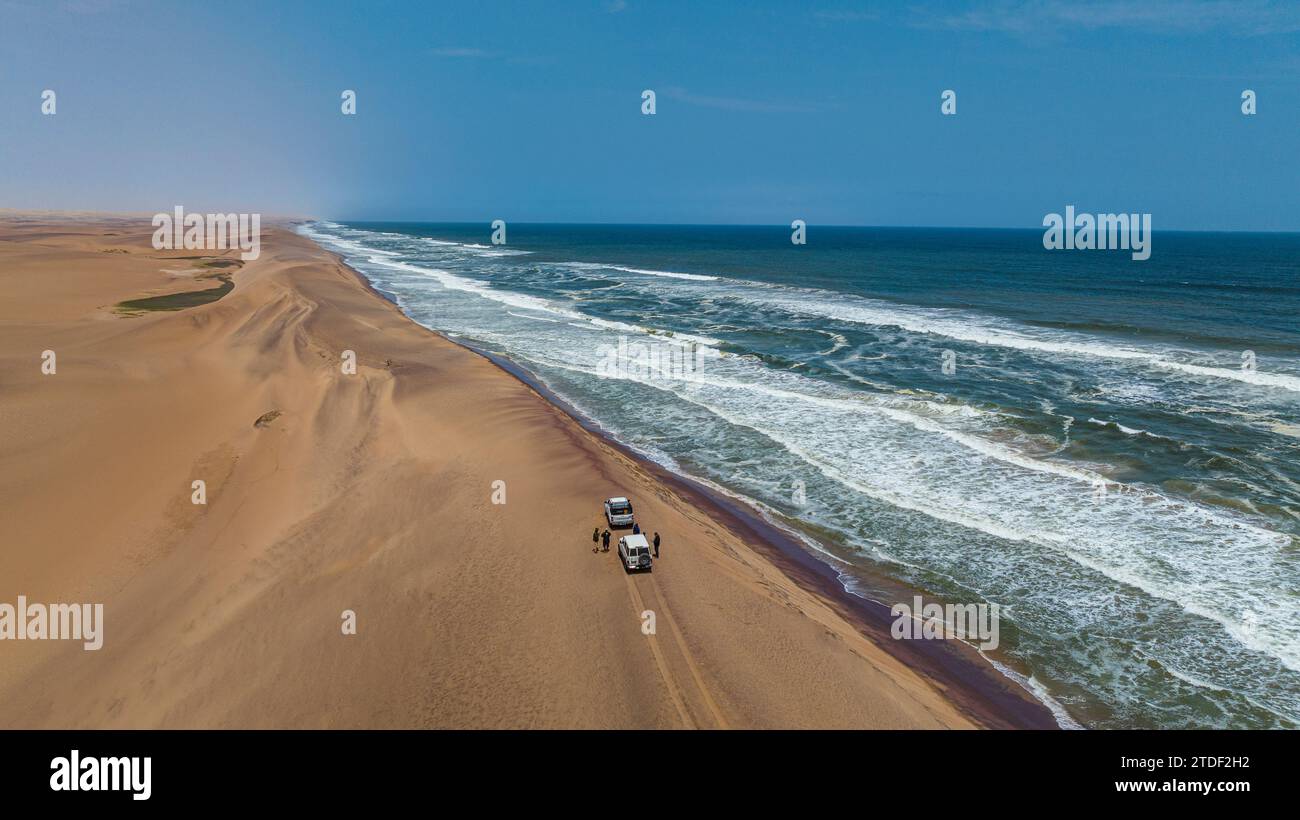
<point x="369" y="492"/>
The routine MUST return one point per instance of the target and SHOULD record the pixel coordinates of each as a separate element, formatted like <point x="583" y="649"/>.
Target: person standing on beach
<point x="656" y="545"/>
<point x="595" y="539"/>
<point x="605" y="539"/>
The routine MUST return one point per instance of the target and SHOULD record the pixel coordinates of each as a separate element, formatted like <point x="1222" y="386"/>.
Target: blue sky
<point x="766" y="111"/>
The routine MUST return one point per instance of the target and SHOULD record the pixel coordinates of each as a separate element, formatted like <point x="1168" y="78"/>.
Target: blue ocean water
<point x="1109" y="449"/>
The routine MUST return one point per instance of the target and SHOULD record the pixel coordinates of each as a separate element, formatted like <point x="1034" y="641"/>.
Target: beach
<point x="430" y="498"/>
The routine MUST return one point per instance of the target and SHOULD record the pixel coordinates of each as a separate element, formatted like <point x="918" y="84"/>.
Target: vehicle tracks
<point x="705" y="714"/>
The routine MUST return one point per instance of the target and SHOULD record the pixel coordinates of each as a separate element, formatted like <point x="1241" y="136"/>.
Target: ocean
<point x="1108" y="449"/>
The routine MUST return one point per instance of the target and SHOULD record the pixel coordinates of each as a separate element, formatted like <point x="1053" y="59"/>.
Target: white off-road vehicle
<point x="618" y="512"/>
<point x="634" y="553"/>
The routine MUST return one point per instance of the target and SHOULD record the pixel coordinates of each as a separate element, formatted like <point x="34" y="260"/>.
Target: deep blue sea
<point x="1109" y="449"/>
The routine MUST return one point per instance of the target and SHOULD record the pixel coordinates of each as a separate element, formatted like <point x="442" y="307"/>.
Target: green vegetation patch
<point x="177" y="301"/>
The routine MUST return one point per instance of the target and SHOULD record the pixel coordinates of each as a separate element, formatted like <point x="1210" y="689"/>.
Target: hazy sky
<point x="766" y="111"/>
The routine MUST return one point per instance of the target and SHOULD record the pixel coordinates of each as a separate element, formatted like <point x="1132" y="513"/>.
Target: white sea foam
<point x="593" y="266"/>
<point x="1128" y="431"/>
<point x="451" y="281"/>
<point x="838" y="343"/>
<point x="979" y="330"/>
<point x="1034" y="687"/>
<point x="698" y="277"/>
<point x="349" y="246"/>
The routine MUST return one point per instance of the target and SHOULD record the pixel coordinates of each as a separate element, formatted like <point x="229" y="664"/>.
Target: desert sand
<point x="373" y="493"/>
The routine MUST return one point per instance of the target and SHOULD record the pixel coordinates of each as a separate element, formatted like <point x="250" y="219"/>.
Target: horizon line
<point x="299" y="218"/>
<point x="782" y="226"/>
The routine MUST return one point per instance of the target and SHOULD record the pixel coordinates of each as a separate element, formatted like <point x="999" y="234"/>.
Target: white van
<point x="634" y="552"/>
<point x="618" y="512"/>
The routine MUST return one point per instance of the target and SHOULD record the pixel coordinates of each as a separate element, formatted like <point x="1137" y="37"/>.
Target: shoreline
<point x="352" y="461"/>
<point x="987" y="695"/>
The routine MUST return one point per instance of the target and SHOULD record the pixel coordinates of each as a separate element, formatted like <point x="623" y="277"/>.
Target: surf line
<point x="54" y="622"/>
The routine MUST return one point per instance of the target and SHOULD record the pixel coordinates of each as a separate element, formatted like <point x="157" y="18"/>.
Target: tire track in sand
<point x="670" y="682"/>
<point x="661" y="608"/>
